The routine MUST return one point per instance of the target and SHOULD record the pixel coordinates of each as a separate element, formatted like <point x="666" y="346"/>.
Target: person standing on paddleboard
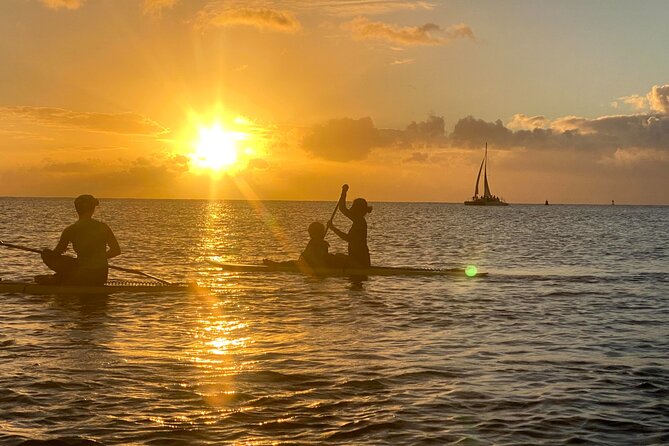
<point x="90" y="239"/>
<point x="358" y="252"/>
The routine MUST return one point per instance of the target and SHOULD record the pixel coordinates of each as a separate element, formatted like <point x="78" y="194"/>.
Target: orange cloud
<point x="635" y="101"/>
<point x="658" y="98"/>
<point x="127" y="123"/>
<point x="262" y="18"/>
<point x="428" y="34"/>
<point x="155" y="7"/>
<point x="402" y="62"/>
<point x="372" y="7"/>
<point x="521" y="121"/>
<point x="62" y="4"/>
<point x="635" y="155"/>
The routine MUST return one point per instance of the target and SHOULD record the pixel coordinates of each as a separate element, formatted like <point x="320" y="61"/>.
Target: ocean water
<point x="565" y="342"/>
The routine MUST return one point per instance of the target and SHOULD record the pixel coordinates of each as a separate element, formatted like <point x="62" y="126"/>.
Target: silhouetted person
<point x="316" y="252"/>
<point x="358" y="252"/>
<point x="90" y="239"/>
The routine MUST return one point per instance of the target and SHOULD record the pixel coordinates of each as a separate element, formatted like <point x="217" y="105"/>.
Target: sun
<point x="216" y="148"/>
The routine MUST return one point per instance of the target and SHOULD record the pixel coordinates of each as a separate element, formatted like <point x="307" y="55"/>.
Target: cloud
<point x="639" y="131"/>
<point x="124" y="123"/>
<point x="606" y="132"/>
<point x="428" y="34"/>
<point x="342" y="139"/>
<point x="634" y="156"/>
<point x="635" y="101"/>
<point x="62" y="4"/>
<point x="418" y="157"/>
<point x="658" y="98"/>
<point x="371" y="7"/>
<point x="431" y="128"/>
<point x="157" y="176"/>
<point x="472" y="132"/>
<point x="637" y="137"/>
<point x="263" y="18"/>
<point x="402" y="62"/>
<point x="155" y="7"/>
<point x="524" y="122"/>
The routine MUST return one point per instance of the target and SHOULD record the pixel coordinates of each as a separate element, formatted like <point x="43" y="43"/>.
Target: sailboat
<point x="487" y="199"/>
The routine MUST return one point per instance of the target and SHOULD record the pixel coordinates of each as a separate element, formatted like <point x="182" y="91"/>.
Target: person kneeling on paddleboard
<point x="90" y="239"/>
<point x="358" y="252"/>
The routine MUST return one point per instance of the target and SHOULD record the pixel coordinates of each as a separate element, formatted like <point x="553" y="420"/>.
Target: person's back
<point x="358" y="250"/>
<point x="90" y="239"/>
<point x="316" y="252"/>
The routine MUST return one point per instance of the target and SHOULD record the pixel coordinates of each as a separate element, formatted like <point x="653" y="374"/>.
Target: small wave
<point x="354" y="430"/>
<point x="364" y="384"/>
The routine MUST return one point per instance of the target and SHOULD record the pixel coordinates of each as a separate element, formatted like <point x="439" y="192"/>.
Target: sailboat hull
<point x="486" y="202"/>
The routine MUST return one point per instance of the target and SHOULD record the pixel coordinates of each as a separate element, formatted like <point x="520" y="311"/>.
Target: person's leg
<point x="63" y="266"/>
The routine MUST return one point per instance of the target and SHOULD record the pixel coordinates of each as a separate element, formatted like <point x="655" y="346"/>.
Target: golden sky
<point x="290" y="99"/>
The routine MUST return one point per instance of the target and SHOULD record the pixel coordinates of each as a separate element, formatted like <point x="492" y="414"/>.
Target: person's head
<point x="360" y="207"/>
<point x="85" y="204"/>
<point x="316" y="231"/>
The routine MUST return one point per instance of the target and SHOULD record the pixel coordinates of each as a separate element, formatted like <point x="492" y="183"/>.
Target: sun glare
<point x="216" y="148"/>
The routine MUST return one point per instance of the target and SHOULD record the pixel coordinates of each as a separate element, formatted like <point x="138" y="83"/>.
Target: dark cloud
<point x="432" y="128"/>
<point x="470" y="132"/>
<point x="125" y="123"/>
<point x="141" y="176"/>
<point x="607" y="132"/>
<point x="343" y="139"/>
<point x="639" y="137"/>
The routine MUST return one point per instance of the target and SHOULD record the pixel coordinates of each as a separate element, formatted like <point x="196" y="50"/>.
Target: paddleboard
<point x="109" y="288"/>
<point x="371" y="271"/>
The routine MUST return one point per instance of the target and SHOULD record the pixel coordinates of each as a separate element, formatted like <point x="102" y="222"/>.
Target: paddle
<point x="344" y="188"/>
<point x="118" y="268"/>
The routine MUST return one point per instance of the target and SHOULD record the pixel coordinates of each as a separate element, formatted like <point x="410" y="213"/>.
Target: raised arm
<point x="342" y="203"/>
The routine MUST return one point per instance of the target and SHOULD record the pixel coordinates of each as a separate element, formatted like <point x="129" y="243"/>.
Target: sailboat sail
<point x="478" y="178"/>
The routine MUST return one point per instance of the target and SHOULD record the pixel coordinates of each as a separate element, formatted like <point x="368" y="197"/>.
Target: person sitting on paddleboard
<point x="90" y="239"/>
<point x="316" y="252"/>
<point x="358" y="252"/>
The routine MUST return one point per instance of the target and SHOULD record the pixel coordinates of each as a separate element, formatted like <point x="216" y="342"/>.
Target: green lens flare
<point x="470" y="271"/>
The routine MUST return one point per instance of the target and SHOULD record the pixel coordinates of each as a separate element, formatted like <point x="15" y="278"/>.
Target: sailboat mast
<point x="486" y="188"/>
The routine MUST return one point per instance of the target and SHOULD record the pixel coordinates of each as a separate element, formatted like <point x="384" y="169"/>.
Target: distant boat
<point x="487" y="199"/>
